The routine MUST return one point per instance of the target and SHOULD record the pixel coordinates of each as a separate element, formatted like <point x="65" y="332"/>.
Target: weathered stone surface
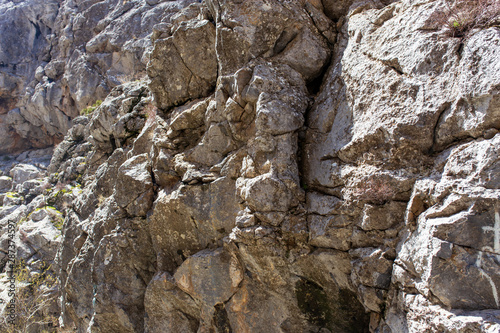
<point x="476" y="108"/>
<point x="252" y="29"/>
<point x="225" y="272"/>
<point x="121" y="272"/>
<point x="5" y="183"/>
<point x="178" y="70"/>
<point x="215" y="144"/>
<point x="41" y="233"/>
<point x="191" y="218"/>
<point x="69" y="56"/>
<point x="23" y="172"/>
<point x="26" y="43"/>
<point x="367" y="154"/>
<point x="309" y="166"/>
<point x="265" y="193"/>
<point x="134" y="185"/>
<point x="371" y="269"/>
<point x="415" y="313"/>
<point x="11" y="214"/>
<point x="383" y="217"/>
<point x="329" y="232"/>
<point x="336" y="9"/>
<point x="322" y="204"/>
<point x="320" y="284"/>
<point x="115" y="120"/>
<point x="459" y="230"/>
<point x="168" y="308"/>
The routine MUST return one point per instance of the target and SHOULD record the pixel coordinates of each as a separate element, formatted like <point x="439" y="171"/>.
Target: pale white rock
<point x="23" y="172"/>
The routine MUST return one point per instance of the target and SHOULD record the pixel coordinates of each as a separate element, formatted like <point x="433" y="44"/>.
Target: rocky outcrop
<point x="25" y="41"/>
<point x="287" y="166"/>
<point x="71" y="53"/>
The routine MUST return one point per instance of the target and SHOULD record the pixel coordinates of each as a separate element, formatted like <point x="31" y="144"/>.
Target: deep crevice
<point x="441" y="112"/>
<point x="314" y="86"/>
<point x="221" y="319"/>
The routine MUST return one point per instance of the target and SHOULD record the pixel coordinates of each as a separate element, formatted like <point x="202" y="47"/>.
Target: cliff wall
<point x="257" y="166"/>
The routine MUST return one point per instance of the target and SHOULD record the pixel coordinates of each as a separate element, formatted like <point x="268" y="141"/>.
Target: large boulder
<point x="184" y="66"/>
<point x="24" y="172"/>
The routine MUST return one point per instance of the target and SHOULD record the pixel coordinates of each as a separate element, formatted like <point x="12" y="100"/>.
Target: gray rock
<point x="5" y="183"/>
<point x="134" y="186"/>
<point x="28" y="44"/>
<point x="10" y="215"/>
<point x="458" y="229"/>
<point x="260" y="30"/>
<point x="319" y="166"/>
<point x="177" y="70"/>
<point x="383" y="217"/>
<point x="43" y="235"/>
<point x="322" y="204"/>
<point x="214" y="145"/>
<point x="120" y="306"/>
<point x="225" y="270"/>
<point x="23" y="172"/>
<point x="112" y="123"/>
<point x="81" y="51"/>
<point x="330" y="232"/>
<point x="169" y="308"/>
<point x="191" y="218"/>
<point x="265" y="193"/>
<point x="421" y="315"/>
<point x="371" y="268"/>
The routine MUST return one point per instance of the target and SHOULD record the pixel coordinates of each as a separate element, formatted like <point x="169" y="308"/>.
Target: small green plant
<point x="45" y="207"/>
<point x="38" y="209"/>
<point x="22" y="220"/>
<point x="58" y="223"/>
<point x="460" y="17"/>
<point x="90" y="109"/>
<point x="79" y="179"/>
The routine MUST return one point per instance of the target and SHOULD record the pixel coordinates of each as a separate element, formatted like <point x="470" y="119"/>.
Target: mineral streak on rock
<point x="252" y="166"/>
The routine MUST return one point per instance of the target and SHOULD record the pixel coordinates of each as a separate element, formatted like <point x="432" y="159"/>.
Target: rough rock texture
<point x="287" y="166"/>
<point x="58" y="57"/>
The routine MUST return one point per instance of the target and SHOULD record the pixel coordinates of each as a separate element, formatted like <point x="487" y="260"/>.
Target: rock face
<point x="71" y="53"/>
<point x="286" y="166"/>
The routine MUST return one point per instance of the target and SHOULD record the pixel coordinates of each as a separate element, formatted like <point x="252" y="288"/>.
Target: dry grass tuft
<point x="460" y="17"/>
<point x="34" y="298"/>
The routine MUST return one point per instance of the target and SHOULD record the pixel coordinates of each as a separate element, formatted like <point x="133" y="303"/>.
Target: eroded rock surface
<point x="63" y="56"/>
<point x="287" y="166"/>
